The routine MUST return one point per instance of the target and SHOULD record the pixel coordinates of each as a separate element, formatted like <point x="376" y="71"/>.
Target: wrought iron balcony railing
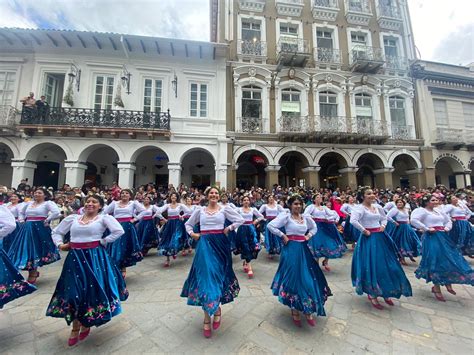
<point x="252" y="48"/>
<point x="251" y="124"/>
<point x="389" y="11"/>
<point x="447" y="135"/>
<point x="86" y="117"/>
<point x="369" y="127"/>
<point x="7" y="116"/>
<point x="295" y="124"/>
<point x="328" y="55"/>
<point x="396" y="63"/>
<point x="331" y="4"/>
<point x="361" y="6"/>
<point x="332" y="124"/>
<point x="403" y="132"/>
<point x="292" y="45"/>
<point x="366" y="53"/>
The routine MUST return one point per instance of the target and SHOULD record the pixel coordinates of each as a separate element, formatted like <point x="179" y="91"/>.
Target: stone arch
<point x="404" y="152"/>
<point x="33" y="151"/>
<point x="265" y="152"/>
<point x="198" y="167"/>
<point x="300" y="150"/>
<point x="450" y="171"/>
<point x="107" y="162"/>
<point x="460" y="166"/>
<point x="374" y="152"/>
<point x="325" y="151"/>
<point x="144" y="148"/>
<point x="333" y="163"/>
<point x="84" y="154"/>
<point x="197" y="149"/>
<point x="12" y="146"/>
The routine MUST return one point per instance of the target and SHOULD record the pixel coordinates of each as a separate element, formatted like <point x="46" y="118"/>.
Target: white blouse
<point x="423" y="219"/>
<point x="395" y="215"/>
<point x="15" y="209"/>
<point x="175" y="212"/>
<point x="248" y="216"/>
<point x="132" y="208"/>
<point x="228" y="204"/>
<point x="292" y="227"/>
<point x="456" y="211"/>
<point x="47" y="209"/>
<point x="7" y="222"/>
<point x="362" y="218"/>
<point x="270" y="211"/>
<point x="347" y="208"/>
<point x="148" y="212"/>
<point x="214" y="221"/>
<point x="191" y="210"/>
<point x="91" y="232"/>
<point x="318" y="212"/>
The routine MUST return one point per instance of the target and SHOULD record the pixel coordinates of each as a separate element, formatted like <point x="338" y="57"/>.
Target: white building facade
<point x="123" y="108"/>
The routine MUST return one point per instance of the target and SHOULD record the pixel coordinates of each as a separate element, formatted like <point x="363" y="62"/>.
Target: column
<point x="416" y="177"/>
<point x="174" y="170"/>
<point x="426" y="156"/>
<point x="22" y="169"/>
<point x="126" y="173"/>
<point x="75" y="173"/>
<point x="232" y="177"/>
<point x="467" y="176"/>
<point x="349" y="177"/>
<point x="383" y="178"/>
<point x="221" y="176"/>
<point x="271" y="177"/>
<point x="312" y="176"/>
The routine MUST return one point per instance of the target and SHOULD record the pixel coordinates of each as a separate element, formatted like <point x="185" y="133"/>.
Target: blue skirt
<point x="232" y="235"/>
<point x="327" y="242"/>
<point x="442" y="263"/>
<point x="33" y="247"/>
<point x="299" y="283"/>
<point x="462" y="235"/>
<point x="247" y="243"/>
<point x="147" y="234"/>
<point x="351" y="234"/>
<point x="126" y="250"/>
<point x="390" y="228"/>
<point x="273" y="242"/>
<point x="12" y="284"/>
<point x="211" y="280"/>
<point x="376" y="270"/>
<point x="406" y="240"/>
<point x="89" y="289"/>
<point x="8" y="240"/>
<point x="173" y="237"/>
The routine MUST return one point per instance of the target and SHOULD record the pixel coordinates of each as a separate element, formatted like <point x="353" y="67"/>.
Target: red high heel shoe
<point x="84" y="334"/>
<point x="32" y="279"/>
<point x="311" y="321"/>
<point x="438" y="295"/>
<point x="207" y="332"/>
<point x="217" y="323"/>
<point x="375" y="303"/>
<point x="296" y="322"/>
<point x="389" y="301"/>
<point x="166" y="264"/>
<point x="250" y="274"/>
<point x="450" y="290"/>
<point x="326" y="266"/>
<point x="73" y="340"/>
<point x="174" y="257"/>
<point x="246" y="267"/>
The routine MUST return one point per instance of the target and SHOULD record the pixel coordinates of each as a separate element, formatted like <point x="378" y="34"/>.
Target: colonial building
<point x="123" y="108"/>
<point x="445" y="107"/>
<point x="319" y="93"/>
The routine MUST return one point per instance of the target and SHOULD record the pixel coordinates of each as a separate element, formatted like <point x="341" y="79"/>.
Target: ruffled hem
<point x="36" y="263"/>
<point x="379" y="292"/>
<point x="307" y="305"/>
<point x="329" y="253"/>
<point x="445" y="278"/>
<point x="13" y="291"/>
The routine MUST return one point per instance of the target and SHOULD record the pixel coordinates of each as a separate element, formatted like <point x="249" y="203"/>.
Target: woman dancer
<point x="462" y="233"/>
<point x="404" y="236"/>
<point x="211" y="280"/>
<point x="14" y="207"/>
<point x="247" y="241"/>
<point x="441" y="262"/>
<point x="12" y="284"/>
<point x="375" y="267"/>
<point x="272" y="242"/>
<point x="173" y="234"/>
<point x="387" y="208"/>
<point x="189" y="242"/>
<point x="232" y="235"/>
<point x="33" y="246"/>
<point x="127" y="250"/>
<point x="327" y="242"/>
<point x="350" y="233"/>
<point x="147" y="232"/>
<point x="299" y="282"/>
<point x="90" y="288"/>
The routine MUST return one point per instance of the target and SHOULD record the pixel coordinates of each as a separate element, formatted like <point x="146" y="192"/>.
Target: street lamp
<point x="126" y="79"/>
<point x="75" y="75"/>
<point x="174" y="83"/>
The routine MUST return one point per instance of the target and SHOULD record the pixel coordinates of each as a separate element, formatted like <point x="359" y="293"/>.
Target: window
<point x="363" y="106"/>
<point x="397" y="111"/>
<point x="290" y="103"/>
<point x="324" y="39"/>
<point x="104" y="92"/>
<point x="287" y="29"/>
<point x="390" y="47"/>
<point x="440" y="112"/>
<point x="251" y="31"/>
<point x="251" y="101"/>
<point x="468" y="110"/>
<point x="7" y="87"/>
<point x="198" y="102"/>
<point x="355" y="5"/>
<point x="359" y="45"/>
<point x="53" y="89"/>
<point x="327" y="104"/>
<point x="358" y="39"/>
<point x="289" y="37"/>
<point x="152" y="95"/>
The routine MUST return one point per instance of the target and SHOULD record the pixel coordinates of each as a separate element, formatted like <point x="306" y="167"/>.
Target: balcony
<point x="389" y="17"/>
<point x="251" y="124"/>
<point x="289" y="7"/>
<point x="7" y="119"/>
<point x="403" y="133"/>
<point x="294" y="125"/>
<point x="449" y="138"/>
<point x="358" y="12"/>
<point x="84" y="120"/>
<point x="252" y="5"/>
<point x="369" y="127"/>
<point x="292" y="52"/>
<point x="396" y="64"/>
<point x="251" y="49"/>
<point x="328" y="57"/>
<point x="364" y="59"/>
<point x="332" y="125"/>
<point x="325" y="10"/>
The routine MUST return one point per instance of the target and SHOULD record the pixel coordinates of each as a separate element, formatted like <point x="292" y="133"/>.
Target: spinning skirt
<point x="126" y="251"/>
<point x="173" y="236"/>
<point x="327" y="242"/>
<point x="247" y="243"/>
<point x="406" y="240"/>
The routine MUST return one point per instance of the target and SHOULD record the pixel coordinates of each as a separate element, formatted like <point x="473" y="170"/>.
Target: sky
<point x="444" y="30"/>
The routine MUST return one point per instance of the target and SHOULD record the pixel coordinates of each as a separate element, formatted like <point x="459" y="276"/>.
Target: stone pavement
<point x="156" y="320"/>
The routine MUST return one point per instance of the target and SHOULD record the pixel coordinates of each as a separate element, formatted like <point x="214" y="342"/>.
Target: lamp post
<point x="125" y="77"/>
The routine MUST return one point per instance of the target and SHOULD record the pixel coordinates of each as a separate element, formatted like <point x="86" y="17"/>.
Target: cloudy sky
<point x="444" y="30"/>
